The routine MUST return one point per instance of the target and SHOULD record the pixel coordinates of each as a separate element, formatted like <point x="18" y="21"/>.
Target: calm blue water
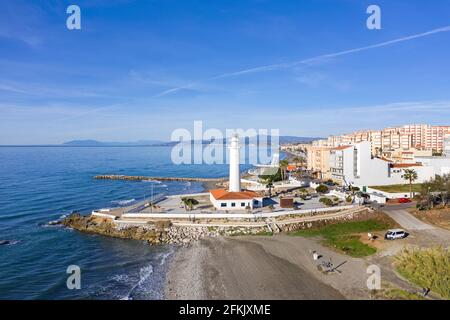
<point x="39" y="184"/>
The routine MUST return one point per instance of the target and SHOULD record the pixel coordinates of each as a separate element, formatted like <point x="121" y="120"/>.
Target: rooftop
<point x="222" y="194"/>
<point x="405" y="165"/>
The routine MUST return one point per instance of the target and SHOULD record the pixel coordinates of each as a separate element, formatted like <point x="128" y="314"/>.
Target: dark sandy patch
<point x="251" y="268"/>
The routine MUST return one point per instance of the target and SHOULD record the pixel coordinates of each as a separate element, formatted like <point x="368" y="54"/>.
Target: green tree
<point x="299" y="161"/>
<point x="296" y="160"/>
<point x="326" y="201"/>
<point x="322" y="188"/>
<point x="410" y="175"/>
<point x="442" y="184"/>
<point x="189" y="203"/>
<point x="283" y="166"/>
<point x="269" y="185"/>
<point x="437" y="188"/>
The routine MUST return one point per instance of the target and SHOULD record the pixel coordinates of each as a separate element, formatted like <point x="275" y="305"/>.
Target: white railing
<point x="232" y="215"/>
<point x="250" y="224"/>
<point x="103" y="215"/>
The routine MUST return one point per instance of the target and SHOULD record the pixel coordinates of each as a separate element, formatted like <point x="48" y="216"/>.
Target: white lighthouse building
<point x="234" y="198"/>
<point x="235" y="178"/>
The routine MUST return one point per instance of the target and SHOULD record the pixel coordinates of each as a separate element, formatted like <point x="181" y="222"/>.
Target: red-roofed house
<point x="226" y="200"/>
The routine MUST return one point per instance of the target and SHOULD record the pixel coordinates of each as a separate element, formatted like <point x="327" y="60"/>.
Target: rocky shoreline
<point x="157" y="232"/>
<point x="164" y="232"/>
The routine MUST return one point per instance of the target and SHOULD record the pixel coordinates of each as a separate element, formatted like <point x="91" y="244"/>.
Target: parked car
<point x="395" y="234"/>
<point x="404" y="200"/>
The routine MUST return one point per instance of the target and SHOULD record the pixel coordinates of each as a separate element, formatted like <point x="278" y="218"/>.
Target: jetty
<point x="146" y="178"/>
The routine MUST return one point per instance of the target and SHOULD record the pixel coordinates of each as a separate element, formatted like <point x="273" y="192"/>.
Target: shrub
<point x="326" y="201"/>
<point x="349" y="199"/>
<point x="322" y="189"/>
<point x="421" y="206"/>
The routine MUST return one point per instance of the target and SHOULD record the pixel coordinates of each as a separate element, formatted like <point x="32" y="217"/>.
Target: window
<point x="233" y="204"/>
<point x="242" y="204"/>
<point x="223" y="204"/>
<point x="255" y="201"/>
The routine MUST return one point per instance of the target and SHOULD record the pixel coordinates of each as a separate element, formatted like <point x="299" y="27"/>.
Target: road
<point x="407" y="220"/>
<point x="424" y="232"/>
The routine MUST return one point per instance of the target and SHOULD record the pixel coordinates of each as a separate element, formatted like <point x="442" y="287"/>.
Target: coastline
<point x="260" y="267"/>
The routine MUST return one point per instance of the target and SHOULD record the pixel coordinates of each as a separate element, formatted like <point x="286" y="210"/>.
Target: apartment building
<point x="447" y="145"/>
<point x="355" y="165"/>
<point x="426" y="136"/>
<point x="318" y="160"/>
<point x="407" y="138"/>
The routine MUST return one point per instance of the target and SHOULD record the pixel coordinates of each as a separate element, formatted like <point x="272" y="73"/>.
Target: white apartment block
<point x="355" y="165"/>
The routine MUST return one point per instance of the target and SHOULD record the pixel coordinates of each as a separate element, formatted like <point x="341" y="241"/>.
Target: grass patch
<point x="351" y="245"/>
<point x="400" y="294"/>
<point x="398" y="188"/>
<point x="428" y="268"/>
<point x="260" y="233"/>
<point x="264" y="233"/>
<point x="391" y="292"/>
<point x="343" y="235"/>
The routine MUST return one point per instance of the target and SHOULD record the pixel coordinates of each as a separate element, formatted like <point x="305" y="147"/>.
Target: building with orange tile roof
<point x="234" y="198"/>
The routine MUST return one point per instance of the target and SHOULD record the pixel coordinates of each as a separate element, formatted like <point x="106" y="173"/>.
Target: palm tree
<point x="189" y="203"/>
<point x="302" y="162"/>
<point x="296" y="160"/>
<point x="270" y="186"/>
<point x="283" y="165"/>
<point x="411" y="176"/>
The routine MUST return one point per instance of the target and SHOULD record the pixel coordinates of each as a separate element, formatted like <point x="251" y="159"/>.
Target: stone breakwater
<point x="158" y="232"/>
<point x="145" y="178"/>
<point x="164" y="232"/>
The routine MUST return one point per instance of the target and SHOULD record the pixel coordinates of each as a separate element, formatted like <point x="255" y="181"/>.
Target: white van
<point x="395" y="234"/>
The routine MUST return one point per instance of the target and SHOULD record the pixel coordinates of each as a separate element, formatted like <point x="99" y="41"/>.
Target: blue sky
<point x="140" y="69"/>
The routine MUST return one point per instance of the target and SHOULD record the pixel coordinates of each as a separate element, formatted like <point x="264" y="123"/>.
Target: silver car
<point x="395" y="234"/>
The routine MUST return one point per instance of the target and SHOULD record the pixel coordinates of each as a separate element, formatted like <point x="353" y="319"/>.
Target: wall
<point x="441" y="165"/>
<point x="248" y="202"/>
<point x="361" y="170"/>
<point x="391" y="195"/>
<point x="231" y="216"/>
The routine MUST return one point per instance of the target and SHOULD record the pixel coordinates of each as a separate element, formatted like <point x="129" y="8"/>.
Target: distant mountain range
<point x="95" y="143"/>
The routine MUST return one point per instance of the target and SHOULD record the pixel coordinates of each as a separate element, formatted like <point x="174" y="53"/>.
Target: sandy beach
<point x="260" y="267"/>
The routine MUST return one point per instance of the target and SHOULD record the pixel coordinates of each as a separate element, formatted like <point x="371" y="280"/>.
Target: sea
<point x="42" y="184"/>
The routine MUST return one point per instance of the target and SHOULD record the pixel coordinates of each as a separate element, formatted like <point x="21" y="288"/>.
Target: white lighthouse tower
<point x="235" y="199"/>
<point x="235" y="179"/>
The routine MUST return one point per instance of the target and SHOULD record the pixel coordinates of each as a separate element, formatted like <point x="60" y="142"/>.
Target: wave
<point x="164" y="257"/>
<point x="144" y="274"/>
<point x="9" y="242"/>
<point x="152" y="181"/>
<point x="123" y="202"/>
